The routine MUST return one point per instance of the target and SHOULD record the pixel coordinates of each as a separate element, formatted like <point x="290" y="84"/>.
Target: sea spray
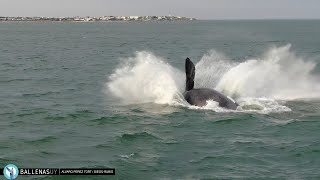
<point x="146" y="78"/>
<point x="210" y="69"/>
<point x="256" y="84"/>
<point x="279" y="74"/>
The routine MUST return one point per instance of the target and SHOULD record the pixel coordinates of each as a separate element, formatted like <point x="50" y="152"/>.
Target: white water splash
<point x="146" y="78"/>
<point x="279" y="74"/>
<point x="211" y="68"/>
<point x="256" y="84"/>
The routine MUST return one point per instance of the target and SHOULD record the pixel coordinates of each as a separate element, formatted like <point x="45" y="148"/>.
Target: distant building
<point x="103" y="18"/>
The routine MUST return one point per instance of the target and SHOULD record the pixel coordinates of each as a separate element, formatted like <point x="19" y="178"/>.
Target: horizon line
<point x="205" y="19"/>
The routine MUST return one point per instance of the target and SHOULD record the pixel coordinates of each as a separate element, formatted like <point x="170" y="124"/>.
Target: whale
<point x="200" y="96"/>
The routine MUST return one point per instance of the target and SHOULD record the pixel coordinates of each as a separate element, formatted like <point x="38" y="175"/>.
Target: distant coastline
<point x="99" y="19"/>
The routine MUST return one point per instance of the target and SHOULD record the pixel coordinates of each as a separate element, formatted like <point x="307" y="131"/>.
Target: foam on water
<point x="260" y="85"/>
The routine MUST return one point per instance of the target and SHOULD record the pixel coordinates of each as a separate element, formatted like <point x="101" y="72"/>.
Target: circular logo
<point x="11" y="171"/>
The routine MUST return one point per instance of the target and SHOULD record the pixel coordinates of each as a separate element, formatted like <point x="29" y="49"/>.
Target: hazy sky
<point x="201" y="9"/>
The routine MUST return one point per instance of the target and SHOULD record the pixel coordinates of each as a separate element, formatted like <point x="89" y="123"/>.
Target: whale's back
<point x="199" y="97"/>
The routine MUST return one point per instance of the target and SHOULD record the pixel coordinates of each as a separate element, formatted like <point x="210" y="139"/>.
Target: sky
<point x="200" y="9"/>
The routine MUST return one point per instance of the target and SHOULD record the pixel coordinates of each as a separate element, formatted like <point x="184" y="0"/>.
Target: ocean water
<point x="80" y="95"/>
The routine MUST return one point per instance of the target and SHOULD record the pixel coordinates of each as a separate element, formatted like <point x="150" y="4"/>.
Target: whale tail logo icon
<point x="11" y="171"/>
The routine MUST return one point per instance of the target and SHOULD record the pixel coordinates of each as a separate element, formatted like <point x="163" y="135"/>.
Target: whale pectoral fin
<point x="190" y="73"/>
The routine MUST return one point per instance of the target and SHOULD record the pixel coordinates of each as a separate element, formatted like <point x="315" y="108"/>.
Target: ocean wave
<point x="137" y="136"/>
<point x="43" y="140"/>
